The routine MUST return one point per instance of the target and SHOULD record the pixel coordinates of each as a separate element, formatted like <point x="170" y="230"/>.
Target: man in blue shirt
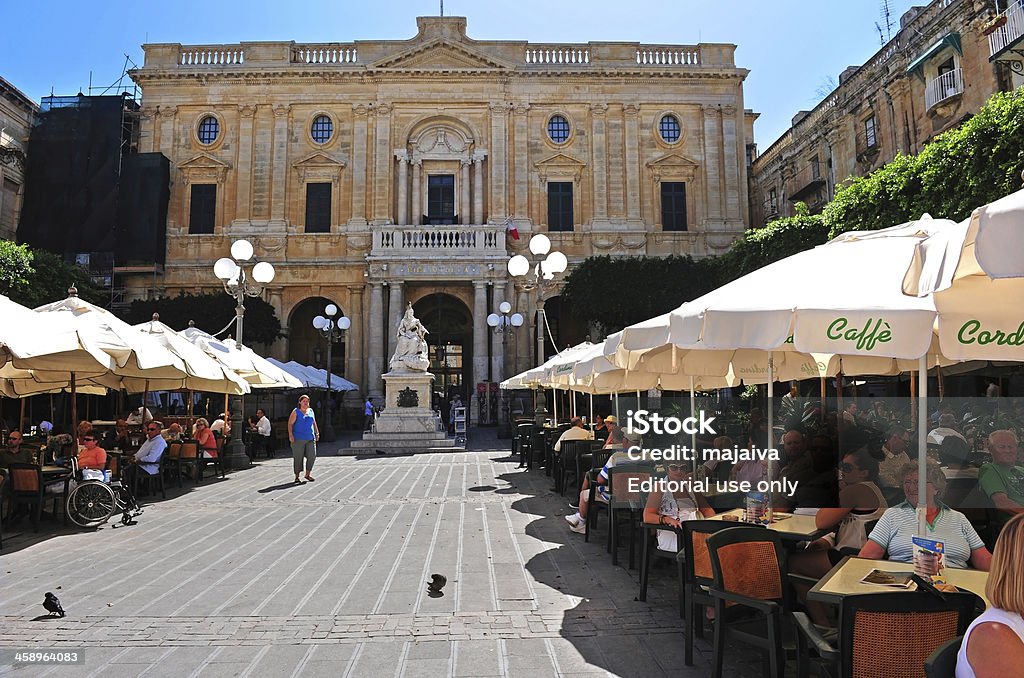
<point x="147" y="458"/>
<point x="368" y="414"/>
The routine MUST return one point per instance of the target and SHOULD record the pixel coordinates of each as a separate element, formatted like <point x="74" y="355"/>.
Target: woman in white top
<point x="993" y="645"/>
<point x="672" y="502"/>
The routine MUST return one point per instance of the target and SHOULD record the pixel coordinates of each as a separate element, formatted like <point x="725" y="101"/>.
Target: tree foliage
<point x="15" y="267"/>
<point x="36" y="277"/>
<point x="617" y="291"/>
<point x="210" y="312"/>
<point x="777" y="240"/>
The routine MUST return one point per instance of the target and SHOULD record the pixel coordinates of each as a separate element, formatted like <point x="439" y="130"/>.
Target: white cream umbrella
<point x="256" y="370"/>
<point x="204" y="373"/>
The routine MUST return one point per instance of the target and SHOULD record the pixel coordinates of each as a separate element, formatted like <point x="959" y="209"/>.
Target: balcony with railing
<point x="1007" y="32"/>
<point x="469" y="242"/>
<point x="943" y="88"/>
<point x="808" y="180"/>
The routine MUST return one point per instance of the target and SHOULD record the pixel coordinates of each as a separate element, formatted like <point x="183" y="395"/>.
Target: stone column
<point x="478" y="188"/>
<point x="464" y="214"/>
<point x="375" y="320"/>
<point x="396" y="307"/>
<point x="599" y="170"/>
<point x="382" y="165"/>
<point x="712" y="164"/>
<point x="499" y="162"/>
<point x="280" y="163"/>
<point x="480" y="329"/>
<point x="633" y="169"/>
<point x="523" y="347"/>
<point x="359" y="160"/>
<point x="403" y="187"/>
<point x="730" y="142"/>
<point x="417" y="187"/>
<point x="520" y="161"/>
<point x="354" y="338"/>
<point x="244" y="174"/>
<point x="165" y="123"/>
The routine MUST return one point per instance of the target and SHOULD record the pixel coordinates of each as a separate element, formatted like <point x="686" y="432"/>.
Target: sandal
<point x="310" y="478"/>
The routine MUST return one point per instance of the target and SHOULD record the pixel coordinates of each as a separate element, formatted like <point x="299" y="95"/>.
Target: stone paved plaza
<point x="252" y="576"/>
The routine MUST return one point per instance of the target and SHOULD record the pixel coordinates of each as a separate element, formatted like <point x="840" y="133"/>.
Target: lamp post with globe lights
<point x="237" y="283"/>
<point x="539" y="274"/>
<point x="331" y="330"/>
<point x="503" y="324"/>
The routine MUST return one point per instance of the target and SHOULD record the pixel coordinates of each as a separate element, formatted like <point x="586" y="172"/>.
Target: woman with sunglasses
<point x="91" y="455"/>
<point x="204" y="436"/>
<point x="673" y="501"/>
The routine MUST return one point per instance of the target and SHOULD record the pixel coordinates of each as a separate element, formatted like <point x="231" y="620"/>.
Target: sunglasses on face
<point x="848" y="468"/>
<point x="676" y="467"/>
<point x="88" y="440"/>
<point x="153" y="429"/>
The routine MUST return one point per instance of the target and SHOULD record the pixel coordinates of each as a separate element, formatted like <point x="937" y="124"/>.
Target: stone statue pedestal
<point x="407" y="424"/>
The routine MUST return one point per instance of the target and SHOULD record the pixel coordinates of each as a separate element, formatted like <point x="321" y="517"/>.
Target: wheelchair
<point x="94" y="501"/>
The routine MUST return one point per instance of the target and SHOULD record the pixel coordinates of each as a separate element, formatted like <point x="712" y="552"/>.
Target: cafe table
<point x="845" y="579"/>
<point x="791" y="527"/>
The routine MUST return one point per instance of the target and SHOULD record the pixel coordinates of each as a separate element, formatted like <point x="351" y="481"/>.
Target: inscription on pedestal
<point x="408" y="398"/>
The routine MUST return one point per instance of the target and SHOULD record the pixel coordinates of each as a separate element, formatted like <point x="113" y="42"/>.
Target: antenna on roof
<point x="442" y="7"/>
<point x="886" y="13"/>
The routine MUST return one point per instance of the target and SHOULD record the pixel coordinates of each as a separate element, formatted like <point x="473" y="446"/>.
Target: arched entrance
<point x="450" y="341"/>
<point x="306" y="345"/>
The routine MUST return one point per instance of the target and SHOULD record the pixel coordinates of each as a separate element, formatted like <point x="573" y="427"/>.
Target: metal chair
<point x="626" y="497"/>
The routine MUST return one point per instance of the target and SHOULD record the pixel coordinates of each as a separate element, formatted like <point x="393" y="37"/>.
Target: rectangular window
<point x="870" y="137"/>
<point x="318" y="208"/>
<point x="441" y="199"/>
<point x="815" y="168"/>
<point x="560" y="206"/>
<point x="773" y="201"/>
<point x="7" y="200"/>
<point x="673" y="206"/>
<point x="202" y="209"/>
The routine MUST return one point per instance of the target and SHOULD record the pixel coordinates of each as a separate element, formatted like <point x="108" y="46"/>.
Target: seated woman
<point x="92" y="456"/>
<point x="204" y="436"/>
<point x="861" y="501"/>
<point x="673" y="501"/>
<point x="993" y="645"/>
<point x="84" y="429"/>
<point x="172" y="432"/>
<point x="892" y="536"/>
<point x="953" y="455"/>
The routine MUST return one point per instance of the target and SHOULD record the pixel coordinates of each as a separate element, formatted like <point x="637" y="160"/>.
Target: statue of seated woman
<point x="411" y="350"/>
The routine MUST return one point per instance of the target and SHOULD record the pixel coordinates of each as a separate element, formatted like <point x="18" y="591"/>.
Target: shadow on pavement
<point x="282" y="486"/>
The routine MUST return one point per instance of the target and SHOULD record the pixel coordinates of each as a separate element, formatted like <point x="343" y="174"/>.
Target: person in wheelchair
<point x="92" y="456"/>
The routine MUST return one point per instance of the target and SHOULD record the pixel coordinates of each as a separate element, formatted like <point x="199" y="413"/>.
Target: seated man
<point x="946" y="427"/>
<point x="577" y="432"/>
<point x="1001" y="479"/>
<point x="222" y="424"/>
<point x="147" y="458"/>
<point x="894" y="458"/>
<point x="14" y="453"/>
<point x="141" y="415"/>
<point x="578" y="521"/>
<point x="117" y="437"/>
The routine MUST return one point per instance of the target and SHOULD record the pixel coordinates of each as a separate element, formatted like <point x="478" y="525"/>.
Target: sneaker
<point x="578" y="528"/>
<point x="574" y="519"/>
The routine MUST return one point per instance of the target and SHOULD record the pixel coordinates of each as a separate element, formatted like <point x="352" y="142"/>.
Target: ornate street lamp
<point x="539" y="275"/>
<point x="504" y="323"/>
<point x="331" y="330"/>
<point x="232" y="273"/>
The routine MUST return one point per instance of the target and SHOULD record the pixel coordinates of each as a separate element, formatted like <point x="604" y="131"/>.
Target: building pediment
<point x="673" y="165"/>
<point x="440" y="54"/>
<point x="204" y="168"/>
<point x="204" y="161"/>
<point x="318" y="160"/>
<point x="559" y="165"/>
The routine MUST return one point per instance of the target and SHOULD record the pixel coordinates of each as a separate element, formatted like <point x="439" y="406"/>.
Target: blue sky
<point x="790" y="46"/>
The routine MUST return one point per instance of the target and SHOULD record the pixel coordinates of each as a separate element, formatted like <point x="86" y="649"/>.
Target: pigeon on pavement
<point x="52" y="605"/>
<point x="436" y="583"/>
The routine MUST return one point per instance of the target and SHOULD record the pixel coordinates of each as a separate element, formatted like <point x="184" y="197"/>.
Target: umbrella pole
<point x="693" y="436"/>
<point x="591" y="419"/>
<point x="771" y="430"/>
<point x="74" y="405"/>
<point x="824" y="403"/>
<point x="839" y="410"/>
<point x="21" y="418"/>
<point x="922" y="446"/>
<point x="145" y="397"/>
<point x="942" y="382"/>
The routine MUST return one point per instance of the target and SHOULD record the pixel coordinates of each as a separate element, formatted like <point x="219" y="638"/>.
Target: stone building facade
<point x="378" y="173"/>
<point x="939" y="69"/>
<point x="17" y="114"/>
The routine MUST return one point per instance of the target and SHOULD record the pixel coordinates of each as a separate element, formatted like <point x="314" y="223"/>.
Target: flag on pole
<point x="511" y="229"/>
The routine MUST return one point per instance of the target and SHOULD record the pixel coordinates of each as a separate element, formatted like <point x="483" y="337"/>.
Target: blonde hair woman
<point x="993" y="645"/>
<point x="204" y="436"/>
